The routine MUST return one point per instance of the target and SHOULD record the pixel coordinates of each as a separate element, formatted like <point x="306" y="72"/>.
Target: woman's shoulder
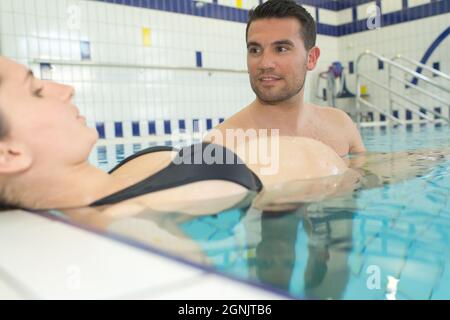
<point x="146" y="151"/>
<point x="145" y="163"/>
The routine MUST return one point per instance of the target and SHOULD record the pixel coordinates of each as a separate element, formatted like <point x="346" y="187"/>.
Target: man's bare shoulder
<point x="230" y="123"/>
<point x="236" y="121"/>
<point x="239" y="120"/>
<point x="339" y="118"/>
<point x="334" y="117"/>
<point x="333" y="113"/>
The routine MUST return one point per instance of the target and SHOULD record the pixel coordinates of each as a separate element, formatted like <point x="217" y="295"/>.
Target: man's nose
<point x="267" y="61"/>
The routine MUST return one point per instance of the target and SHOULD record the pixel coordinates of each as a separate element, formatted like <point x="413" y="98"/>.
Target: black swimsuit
<point x="186" y="168"/>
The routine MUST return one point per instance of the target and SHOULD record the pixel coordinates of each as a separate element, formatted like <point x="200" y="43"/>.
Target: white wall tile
<point x="414" y="3"/>
<point x="328" y="17"/>
<point x="391" y="5"/>
<point x="35" y="31"/>
<point x="362" y="10"/>
<point x="6" y="6"/>
<point x="344" y="16"/>
<point x="311" y="10"/>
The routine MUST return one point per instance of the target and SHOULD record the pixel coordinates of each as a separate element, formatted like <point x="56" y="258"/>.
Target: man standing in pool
<point x="281" y="48"/>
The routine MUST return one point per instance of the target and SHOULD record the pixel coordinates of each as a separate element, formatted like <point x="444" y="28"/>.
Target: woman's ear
<point x="313" y="57"/>
<point x="14" y="158"/>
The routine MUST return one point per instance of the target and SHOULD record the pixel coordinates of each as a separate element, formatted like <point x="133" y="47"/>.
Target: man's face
<point x="276" y="59"/>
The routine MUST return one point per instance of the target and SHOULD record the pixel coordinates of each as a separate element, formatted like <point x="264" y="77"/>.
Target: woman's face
<point x="41" y="117"/>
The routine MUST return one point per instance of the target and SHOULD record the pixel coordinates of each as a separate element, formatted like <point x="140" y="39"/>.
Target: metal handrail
<point x="415" y="111"/>
<point x="423" y="66"/>
<point x="412" y="101"/>
<point x="391" y="64"/>
<point x="403" y="68"/>
<point x="133" y="66"/>
<point x="417" y="88"/>
<point x="387" y="115"/>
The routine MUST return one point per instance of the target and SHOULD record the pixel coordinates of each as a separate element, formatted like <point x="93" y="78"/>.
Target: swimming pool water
<point x="387" y="242"/>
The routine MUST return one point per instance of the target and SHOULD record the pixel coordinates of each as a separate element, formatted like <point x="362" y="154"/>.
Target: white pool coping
<point x="48" y="259"/>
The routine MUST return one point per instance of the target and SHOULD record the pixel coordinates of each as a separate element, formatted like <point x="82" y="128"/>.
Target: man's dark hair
<point x="286" y="9"/>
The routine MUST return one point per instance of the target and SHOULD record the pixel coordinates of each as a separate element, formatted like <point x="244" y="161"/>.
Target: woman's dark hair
<point x="3" y="128"/>
<point x="286" y="9"/>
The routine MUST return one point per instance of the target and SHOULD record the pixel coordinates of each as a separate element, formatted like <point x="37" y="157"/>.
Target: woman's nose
<point x="64" y="92"/>
<point x="60" y="91"/>
<point x="67" y="93"/>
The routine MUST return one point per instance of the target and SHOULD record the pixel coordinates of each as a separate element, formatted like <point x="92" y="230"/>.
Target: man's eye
<point x="38" y="92"/>
<point x="253" y="50"/>
<point x="282" y="49"/>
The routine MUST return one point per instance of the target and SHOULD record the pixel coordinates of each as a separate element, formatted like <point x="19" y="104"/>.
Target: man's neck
<point x="288" y="116"/>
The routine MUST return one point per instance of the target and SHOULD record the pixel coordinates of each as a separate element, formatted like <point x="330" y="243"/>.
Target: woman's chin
<point x="93" y="138"/>
<point x="95" y="135"/>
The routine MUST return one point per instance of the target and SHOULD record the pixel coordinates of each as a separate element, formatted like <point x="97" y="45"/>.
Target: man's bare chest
<point x="329" y="135"/>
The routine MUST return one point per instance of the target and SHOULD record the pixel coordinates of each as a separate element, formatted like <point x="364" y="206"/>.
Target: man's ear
<point x="313" y="57"/>
<point x="14" y="158"/>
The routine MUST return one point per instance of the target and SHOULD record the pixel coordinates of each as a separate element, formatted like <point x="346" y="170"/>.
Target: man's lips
<point x="269" y="80"/>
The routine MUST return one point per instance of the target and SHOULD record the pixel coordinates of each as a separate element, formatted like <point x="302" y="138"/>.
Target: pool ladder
<point x="418" y="107"/>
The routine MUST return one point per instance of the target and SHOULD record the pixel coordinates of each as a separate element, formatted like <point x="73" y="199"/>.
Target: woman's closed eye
<point x="38" y="92"/>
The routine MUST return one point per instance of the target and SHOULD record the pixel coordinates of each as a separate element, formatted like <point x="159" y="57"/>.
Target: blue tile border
<point x="395" y="113"/>
<point x="438" y="110"/>
<point x="167" y="127"/>
<point x="151" y="127"/>
<point x="181" y="125"/>
<point x="135" y="129"/>
<point x="437" y="66"/>
<point x="405" y="4"/>
<point x="333" y="5"/>
<point x="199" y="59"/>
<point x="430" y="51"/>
<point x="410" y="14"/>
<point x="216" y="11"/>
<point x="118" y="130"/>
<point x="351" y="67"/>
<point x="100" y="126"/>
<point x="424" y="111"/>
<point x="408" y="115"/>
<point x="195" y="125"/>
<point x="85" y="50"/>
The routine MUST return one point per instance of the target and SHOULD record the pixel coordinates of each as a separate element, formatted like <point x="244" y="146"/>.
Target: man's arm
<point x="355" y="142"/>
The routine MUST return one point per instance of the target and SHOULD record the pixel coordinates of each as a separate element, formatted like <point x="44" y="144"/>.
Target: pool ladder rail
<point x="415" y="106"/>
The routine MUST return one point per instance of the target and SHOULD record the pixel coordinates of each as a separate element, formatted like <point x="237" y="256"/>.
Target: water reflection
<point x="317" y="238"/>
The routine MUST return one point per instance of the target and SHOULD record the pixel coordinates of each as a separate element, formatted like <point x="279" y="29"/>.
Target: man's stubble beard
<point x="285" y="94"/>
